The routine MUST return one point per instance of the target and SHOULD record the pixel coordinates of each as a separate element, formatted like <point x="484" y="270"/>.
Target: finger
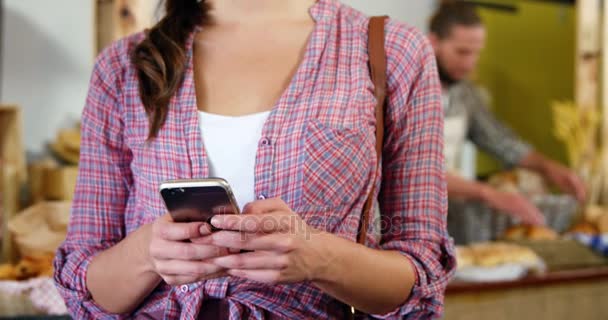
<point x="532" y="213"/>
<point x="172" y="231"/>
<point x="567" y="185"/>
<point x="232" y="240"/>
<point x="526" y="212"/>
<point x="579" y="188"/>
<point x="265" y="206"/>
<point x="185" y="251"/>
<point x="534" y="217"/>
<point x="263" y="276"/>
<point x="540" y="220"/>
<point x="179" y="280"/>
<point x="205" y="230"/>
<point x="183" y="268"/>
<point x="269" y="222"/>
<point x="248" y="241"/>
<point x="258" y="260"/>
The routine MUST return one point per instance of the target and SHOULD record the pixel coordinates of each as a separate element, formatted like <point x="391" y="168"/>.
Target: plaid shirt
<point x="317" y="153"/>
<point x="483" y="129"/>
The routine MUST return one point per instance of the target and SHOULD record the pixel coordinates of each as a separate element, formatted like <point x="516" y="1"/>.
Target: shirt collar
<point x="323" y="9"/>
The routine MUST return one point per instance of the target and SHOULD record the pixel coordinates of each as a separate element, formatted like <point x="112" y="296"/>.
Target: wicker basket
<point x="474" y="222"/>
<point x="30" y="298"/>
<point x="16" y="304"/>
<point x="40" y="229"/>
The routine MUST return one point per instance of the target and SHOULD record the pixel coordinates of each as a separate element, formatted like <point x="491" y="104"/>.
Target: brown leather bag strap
<point x="377" y="65"/>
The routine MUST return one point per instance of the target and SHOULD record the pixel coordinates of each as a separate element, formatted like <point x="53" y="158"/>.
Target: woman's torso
<point x="316" y="152"/>
<point x="230" y="144"/>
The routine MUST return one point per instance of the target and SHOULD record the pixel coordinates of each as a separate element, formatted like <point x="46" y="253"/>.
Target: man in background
<point x="457" y="35"/>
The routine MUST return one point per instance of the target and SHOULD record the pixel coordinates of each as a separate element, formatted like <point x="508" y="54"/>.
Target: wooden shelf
<point x="116" y="19"/>
<point x="13" y="172"/>
<point x="11" y="140"/>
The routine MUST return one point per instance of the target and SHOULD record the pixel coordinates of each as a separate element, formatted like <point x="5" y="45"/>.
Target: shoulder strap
<point x="377" y="65"/>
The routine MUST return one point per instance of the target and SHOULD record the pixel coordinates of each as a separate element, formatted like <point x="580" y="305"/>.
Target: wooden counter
<point x="553" y="278"/>
<point x="574" y="294"/>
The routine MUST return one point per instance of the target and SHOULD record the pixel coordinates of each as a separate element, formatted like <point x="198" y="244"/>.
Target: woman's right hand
<point x="514" y="205"/>
<point x="177" y="260"/>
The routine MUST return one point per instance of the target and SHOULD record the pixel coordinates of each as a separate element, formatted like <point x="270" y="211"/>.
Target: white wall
<point x="413" y="12"/>
<point x="47" y="61"/>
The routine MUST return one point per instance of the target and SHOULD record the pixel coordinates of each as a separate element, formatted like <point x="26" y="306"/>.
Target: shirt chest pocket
<point x="337" y="166"/>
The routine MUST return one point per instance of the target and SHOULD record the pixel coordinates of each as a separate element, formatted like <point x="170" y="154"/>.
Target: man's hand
<point x="565" y="179"/>
<point x="514" y="205"/>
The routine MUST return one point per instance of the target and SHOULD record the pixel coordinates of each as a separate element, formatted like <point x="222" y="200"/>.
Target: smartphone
<point x="198" y="200"/>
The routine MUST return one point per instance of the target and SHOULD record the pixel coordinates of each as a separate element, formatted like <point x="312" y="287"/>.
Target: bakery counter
<point x="571" y="294"/>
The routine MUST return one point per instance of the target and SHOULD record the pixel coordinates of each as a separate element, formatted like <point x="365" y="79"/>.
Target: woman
<point x="293" y="75"/>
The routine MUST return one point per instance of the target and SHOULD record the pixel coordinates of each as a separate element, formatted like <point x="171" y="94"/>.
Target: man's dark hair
<point x="453" y="13"/>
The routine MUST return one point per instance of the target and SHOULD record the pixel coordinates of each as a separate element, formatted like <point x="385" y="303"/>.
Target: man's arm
<point x="497" y="139"/>
<point x="509" y="203"/>
<point x="491" y="135"/>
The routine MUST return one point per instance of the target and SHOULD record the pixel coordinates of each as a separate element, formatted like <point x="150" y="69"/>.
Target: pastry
<point x="530" y="183"/>
<point x="35" y="266"/>
<point x="71" y="157"/>
<point x="504" y="181"/>
<point x="495" y="254"/>
<point x="70" y="139"/>
<point x="602" y="224"/>
<point x="516" y="233"/>
<point x="585" y="228"/>
<point x="519" y="181"/>
<point x="523" y="232"/>
<point x="464" y="257"/>
<point x="7" y="272"/>
<point x="593" y="213"/>
<point x="541" y="233"/>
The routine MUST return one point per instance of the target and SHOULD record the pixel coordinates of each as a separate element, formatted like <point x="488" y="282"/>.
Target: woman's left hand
<point x="282" y="247"/>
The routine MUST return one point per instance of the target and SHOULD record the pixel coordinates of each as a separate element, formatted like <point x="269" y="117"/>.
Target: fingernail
<point x="205" y="229"/>
<point x="235" y="272"/>
<point x="217" y="220"/>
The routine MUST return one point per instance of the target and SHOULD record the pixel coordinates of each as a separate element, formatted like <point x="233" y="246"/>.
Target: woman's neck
<point x="245" y="12"/>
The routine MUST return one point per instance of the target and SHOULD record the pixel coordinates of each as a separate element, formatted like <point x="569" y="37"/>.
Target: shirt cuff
<point x="426" y="298"/>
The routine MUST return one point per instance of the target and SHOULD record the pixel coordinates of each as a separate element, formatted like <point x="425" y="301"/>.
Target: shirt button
<point x="184" y="289"/>
<point x="265" y="142"/>
<point x="261" y="197"/>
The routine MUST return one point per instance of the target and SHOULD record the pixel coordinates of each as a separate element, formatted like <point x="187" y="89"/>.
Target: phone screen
<point x="192" y="204"/>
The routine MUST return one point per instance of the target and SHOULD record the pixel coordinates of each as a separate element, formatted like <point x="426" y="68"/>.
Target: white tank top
<point x="231" y="144"/>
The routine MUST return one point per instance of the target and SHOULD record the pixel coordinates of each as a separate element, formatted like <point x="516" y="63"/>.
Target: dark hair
<point x="160" y="59"/>
<point x="453" y="13"/>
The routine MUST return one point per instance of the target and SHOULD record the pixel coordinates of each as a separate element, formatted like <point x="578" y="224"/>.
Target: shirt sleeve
<point x="491" y="135"/>
<point x="413" y="197"/>
<point x="97" y="215"/>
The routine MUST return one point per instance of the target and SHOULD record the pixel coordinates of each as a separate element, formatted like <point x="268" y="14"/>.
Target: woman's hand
<point x="282" y="247"/>
<point x="179" y="261"/>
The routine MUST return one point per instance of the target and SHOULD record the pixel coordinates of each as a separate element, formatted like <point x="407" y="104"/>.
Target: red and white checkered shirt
<point x="317" y="153"/>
